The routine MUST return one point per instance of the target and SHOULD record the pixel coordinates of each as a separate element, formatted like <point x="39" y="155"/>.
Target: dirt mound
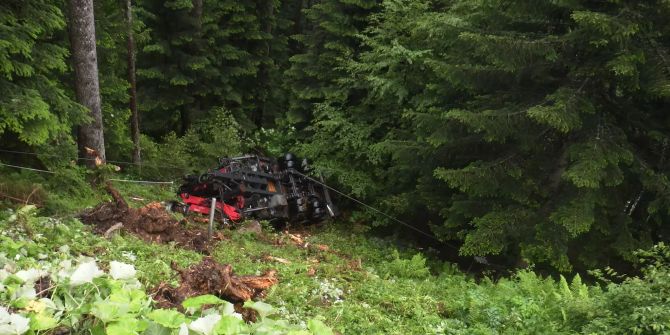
<point x="151" y="223"/>
<point x="211" y="277"/>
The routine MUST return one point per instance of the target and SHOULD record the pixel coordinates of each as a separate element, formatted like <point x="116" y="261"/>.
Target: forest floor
<point x="333" y="272"/>
<point x="357" y="285"/>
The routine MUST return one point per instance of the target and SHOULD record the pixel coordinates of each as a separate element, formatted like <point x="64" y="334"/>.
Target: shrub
<point x="413" y="268"/>
<point x="199" y="149"/>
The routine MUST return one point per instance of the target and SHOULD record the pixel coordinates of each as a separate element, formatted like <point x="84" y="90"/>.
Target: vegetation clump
<point x="372" y="294"/>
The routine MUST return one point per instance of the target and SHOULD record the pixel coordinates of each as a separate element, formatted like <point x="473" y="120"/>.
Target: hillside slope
<point x="356" y="284"/>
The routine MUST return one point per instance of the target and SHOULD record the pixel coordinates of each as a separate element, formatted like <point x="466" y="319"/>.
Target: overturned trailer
<point x="257" y="187"/>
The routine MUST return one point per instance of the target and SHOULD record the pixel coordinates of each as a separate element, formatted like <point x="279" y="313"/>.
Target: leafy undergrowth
<point x="68" y="190"/>
<point x="327" y="276"/>
<point x="51" y="281"/>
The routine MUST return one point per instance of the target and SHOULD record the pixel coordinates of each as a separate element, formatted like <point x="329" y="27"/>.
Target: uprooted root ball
<point x="151" y="223"/>
<point x="211" y="277"/>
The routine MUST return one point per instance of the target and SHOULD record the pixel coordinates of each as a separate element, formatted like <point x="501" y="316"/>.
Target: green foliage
<point x="111" y="36"/>
<point x="35" y="107"/>
<point x="414" y="267"/>
<point x="329" y="38"/>
<point x="199" y="149"/>
<point x="634" y="306"/>
<point x="392" y="293"/>
<point x="199" y="60"/>
<point x="167" y="318"/>
<point x="199" y="301"/>
<point x="533" y="131"/>
<point x="82" y="298"/>
<point x="521" y="129"/>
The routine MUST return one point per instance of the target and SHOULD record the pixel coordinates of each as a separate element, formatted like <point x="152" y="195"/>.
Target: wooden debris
<point x="297" y="239"/>
<point x="112" y="229"/>
<point x="211" y="277"/>
<point x="151" y="223"/>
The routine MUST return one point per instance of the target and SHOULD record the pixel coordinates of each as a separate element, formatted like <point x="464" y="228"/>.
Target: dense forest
<point x="518" y="140"/>
<point x="529" y="130"/>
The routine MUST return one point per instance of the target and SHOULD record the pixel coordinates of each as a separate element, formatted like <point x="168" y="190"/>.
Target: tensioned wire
<point x="394" y="219"/>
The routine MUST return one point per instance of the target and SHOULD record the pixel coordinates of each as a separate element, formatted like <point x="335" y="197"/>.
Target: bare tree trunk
<point x="134" y="115"/>
<point x="185" y="117"/>
<point x="87" y="87"/>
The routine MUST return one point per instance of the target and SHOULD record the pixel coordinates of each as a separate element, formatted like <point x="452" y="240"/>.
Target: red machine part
<point x="201" y="205"/>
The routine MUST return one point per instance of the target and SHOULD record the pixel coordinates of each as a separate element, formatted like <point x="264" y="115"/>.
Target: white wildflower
<point x="129" y="255"/>
<point x="4" y="315"/>
<point x="25" y="291"/>
<point x="183" y="329"/>
<point x="65" y="270"/>
<point x="227" y="308"/>
<point x="10" y="267"/>
<point x="205" y="325"/>
<point x="84" y="273"/>
<point x="30" y="275"/>
<point x="120" y="270"/>
<point x="12" y="324"/>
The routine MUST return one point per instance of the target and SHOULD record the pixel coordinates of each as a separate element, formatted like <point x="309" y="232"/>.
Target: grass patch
<point x="364" y="285"/>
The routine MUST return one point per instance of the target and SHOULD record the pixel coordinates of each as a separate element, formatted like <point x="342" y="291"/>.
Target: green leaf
<point x="199" y="301"/>
<point x="156" y="329"/>
<point x="167" y="318"/>
<point x="319" y="328"/>
<point x="42" y="321"/>
<point x="262" y="308"/>
<point x="229" y="325"/>
<point x="135" y="299"/>
<point x="26" y="210"/>
<point x="564" y="288"/>
<point x="108" y="311"/>
<point x="125" y="326"/>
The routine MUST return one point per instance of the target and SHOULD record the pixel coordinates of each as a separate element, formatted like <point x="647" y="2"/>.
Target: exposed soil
<point x="211" y="277"/>
<point x="43" y="287"/>
<point x="151" y="223"/>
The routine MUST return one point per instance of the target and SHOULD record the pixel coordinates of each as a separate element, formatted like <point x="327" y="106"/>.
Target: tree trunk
<point x="185" y="117"/>
<point x="87" y="87"/>
<point x="266" y="13"/>
<point x="134" y="117"/>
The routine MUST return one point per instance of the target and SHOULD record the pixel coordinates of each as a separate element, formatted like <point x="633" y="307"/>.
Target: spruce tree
<point x="531" y="128"/>
<point x="329" y="37"/>
<point x="35" y="107"/>
<point x="199" y="60"/>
